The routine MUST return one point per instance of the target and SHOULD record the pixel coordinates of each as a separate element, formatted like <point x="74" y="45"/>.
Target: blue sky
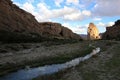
<point x="74" y="14"/>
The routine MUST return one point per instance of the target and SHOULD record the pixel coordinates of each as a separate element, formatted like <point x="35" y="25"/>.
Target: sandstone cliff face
<point x="92" y="32"/>
<point x="14" y="20"/>
<point x="112" y="32"/>
<point x="56" y="30"/>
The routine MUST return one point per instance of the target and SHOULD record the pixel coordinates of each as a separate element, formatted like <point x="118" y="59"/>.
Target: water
<point x="29" y="74"/>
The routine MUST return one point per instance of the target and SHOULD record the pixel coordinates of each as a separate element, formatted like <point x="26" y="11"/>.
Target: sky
<point x="74" y="14"/>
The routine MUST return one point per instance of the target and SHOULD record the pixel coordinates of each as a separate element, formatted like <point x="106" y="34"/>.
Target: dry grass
<point x="105" y="66"/>
<point x="35" y="54"/>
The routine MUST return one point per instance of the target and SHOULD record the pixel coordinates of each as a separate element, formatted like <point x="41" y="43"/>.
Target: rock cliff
<point x="14" y="19"/>
<point x="56" y="30"/>
<point x="92" y="32"/>
<point x="112" y="32"/>
<point x="16" y="23"/>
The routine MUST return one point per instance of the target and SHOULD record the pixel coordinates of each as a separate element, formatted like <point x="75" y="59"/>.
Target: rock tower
<point x="92" y="32"/>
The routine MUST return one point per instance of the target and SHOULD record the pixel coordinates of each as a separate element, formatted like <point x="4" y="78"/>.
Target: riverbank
<point x="14" y="56"/>
<point x="30" y="73"/>
<point x="104" y="66"/>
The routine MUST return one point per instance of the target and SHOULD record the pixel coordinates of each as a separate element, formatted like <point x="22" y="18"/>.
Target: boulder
<point x="92" y="32"/>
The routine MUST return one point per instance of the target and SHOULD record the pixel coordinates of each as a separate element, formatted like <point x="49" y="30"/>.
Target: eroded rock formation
<point x="15" y="22"/>
<point x="92" y="32"/>
<point x="112" y="32"/>
<point x="51" y="29"/>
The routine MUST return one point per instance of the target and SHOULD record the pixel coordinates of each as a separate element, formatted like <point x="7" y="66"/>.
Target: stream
<point x="30" y="73"/>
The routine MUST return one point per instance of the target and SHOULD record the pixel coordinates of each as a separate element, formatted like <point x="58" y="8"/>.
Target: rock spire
<point x="92" y="32"/>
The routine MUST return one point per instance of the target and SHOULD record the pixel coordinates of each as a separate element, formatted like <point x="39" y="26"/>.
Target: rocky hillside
<point x="16" y="24"/>
<point x="112" y="32"/>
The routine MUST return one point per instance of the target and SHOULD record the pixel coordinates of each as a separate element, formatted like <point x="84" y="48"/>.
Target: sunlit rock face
<point x="92" y="32"/>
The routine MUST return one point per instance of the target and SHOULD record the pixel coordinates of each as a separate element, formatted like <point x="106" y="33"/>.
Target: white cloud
<point x="28" y="7"/>
<point x="107" y="8"/>
<point x="86" y="25"/>
<point x="69" y="26"/>
<point x="75" y="2"/>
<point x="82" y="29"/>
<point x="97" y="19"/>
<point x="101" y="24"/>
<point x="86" y="13"/>
<point x="77" y="28"/>
<point x="77" y="15"/>
<point x="85" y="3"/>
<point x="63" y="11"/>
<point x="110" y="24"/>
<point x="43" y="12"/>
<point x="74" y="16"/>
<point x="47" y="13"/>
<point x="58" y="2"/>
<point x="67" y="13"/>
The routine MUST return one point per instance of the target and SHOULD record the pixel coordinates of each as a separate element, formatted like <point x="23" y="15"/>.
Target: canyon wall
<point x="16" y="23"/>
